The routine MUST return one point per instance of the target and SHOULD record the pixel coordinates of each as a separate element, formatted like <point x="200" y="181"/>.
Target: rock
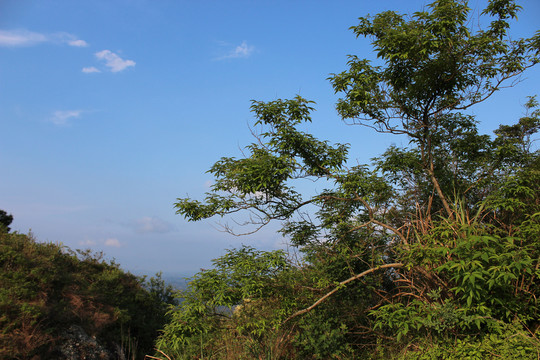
<point x="76" y="344"/>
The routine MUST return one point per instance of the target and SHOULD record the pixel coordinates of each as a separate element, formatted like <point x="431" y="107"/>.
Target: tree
<point x="446" y="228"/>
<point x="435" y="67"/>
<point x="5" y="220"/>
<point x="201" y="324"/>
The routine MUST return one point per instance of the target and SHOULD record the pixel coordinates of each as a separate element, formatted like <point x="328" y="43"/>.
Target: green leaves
<point x="262" y="172"/>
<point x="456" y="209"/>
<point x="433" y="65"/>
<point x="217" y="297"/>
<point x="262" y="183"/>
<point x="282" y="113"/>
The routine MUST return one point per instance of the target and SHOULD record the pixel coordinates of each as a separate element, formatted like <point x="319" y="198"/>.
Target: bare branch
<point x="340" y="285"/>
<point x="152" y="357"/>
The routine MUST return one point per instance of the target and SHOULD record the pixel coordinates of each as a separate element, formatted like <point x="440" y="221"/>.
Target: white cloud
<point x="112" y="242"/>
<point x="90" y="69"/>
<point x="66" y="38"/>
<point x="114" y="62"/>
<point x="241" y="51"/>
<point x="20" y="38"/>
<point x="152" y="225"/>
<point x="12" y="38"/>
<point x="78" y="43"/>
<point x="62" y="117"/>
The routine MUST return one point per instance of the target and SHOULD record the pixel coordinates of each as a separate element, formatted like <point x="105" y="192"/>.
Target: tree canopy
<point x="431" y="251"/>
<point x="5" y="220"/>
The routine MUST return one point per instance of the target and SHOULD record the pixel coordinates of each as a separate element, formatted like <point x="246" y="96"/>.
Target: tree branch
<point x="340" y="285"/>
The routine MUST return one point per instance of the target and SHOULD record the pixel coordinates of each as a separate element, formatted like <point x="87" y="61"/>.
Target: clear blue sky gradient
<point x="111" y="109"/>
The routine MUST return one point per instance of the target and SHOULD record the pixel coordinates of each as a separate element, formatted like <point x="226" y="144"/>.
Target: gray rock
<point x="76" y="344"/>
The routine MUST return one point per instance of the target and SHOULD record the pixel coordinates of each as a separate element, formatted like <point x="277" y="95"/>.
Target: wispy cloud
<point x="149" y="224"/>
<point x="78" y="43"/>
<point x="87" y="243"/>
<point x="113" y="242"/>
<point x="90" y="69"/>
<point x="14" y="38"/>
<point x="69" y="39"/>
<point x="20" y="38"/>
<point x="241" y="51"/>
<point x="109" y="242"/>
<point x="62" y="117"/>
<point x="114" y="62"/>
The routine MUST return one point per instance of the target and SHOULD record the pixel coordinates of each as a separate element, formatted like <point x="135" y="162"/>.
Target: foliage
<point x="45" y="288"/>
<point x="228" y="293"/>
<point x="510" y="341"/>
<point x="431" y="252"/>
<point x="5" y="221"/>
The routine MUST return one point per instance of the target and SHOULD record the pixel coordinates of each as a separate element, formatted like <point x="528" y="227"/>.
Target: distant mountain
<point x="178" y="281"/>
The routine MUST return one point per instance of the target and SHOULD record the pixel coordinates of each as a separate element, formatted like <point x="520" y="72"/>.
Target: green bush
<point x="45" y="288"/>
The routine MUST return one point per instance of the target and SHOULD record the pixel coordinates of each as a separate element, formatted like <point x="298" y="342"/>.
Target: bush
<point x="45" y="288"/>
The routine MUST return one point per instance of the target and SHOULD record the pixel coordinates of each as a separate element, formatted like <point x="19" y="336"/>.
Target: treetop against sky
<point x="111" y="110"/>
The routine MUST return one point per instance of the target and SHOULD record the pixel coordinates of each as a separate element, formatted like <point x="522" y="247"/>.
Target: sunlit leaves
<point x="434" y="64"/>
<point x="456" y="209"/>
<point x="208" y="304"/>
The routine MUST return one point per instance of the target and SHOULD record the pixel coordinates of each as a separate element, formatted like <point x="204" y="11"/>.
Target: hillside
<point x="55" y="301"/>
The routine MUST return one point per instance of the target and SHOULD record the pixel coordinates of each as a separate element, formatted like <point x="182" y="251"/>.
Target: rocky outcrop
<point x="76" y="344"/>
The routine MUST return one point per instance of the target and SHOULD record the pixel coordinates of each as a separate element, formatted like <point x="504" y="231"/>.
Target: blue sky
<point x="111" y="109"/>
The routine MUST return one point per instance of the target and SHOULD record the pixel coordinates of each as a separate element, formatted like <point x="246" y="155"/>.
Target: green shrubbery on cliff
<point x="46" y="288"/>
